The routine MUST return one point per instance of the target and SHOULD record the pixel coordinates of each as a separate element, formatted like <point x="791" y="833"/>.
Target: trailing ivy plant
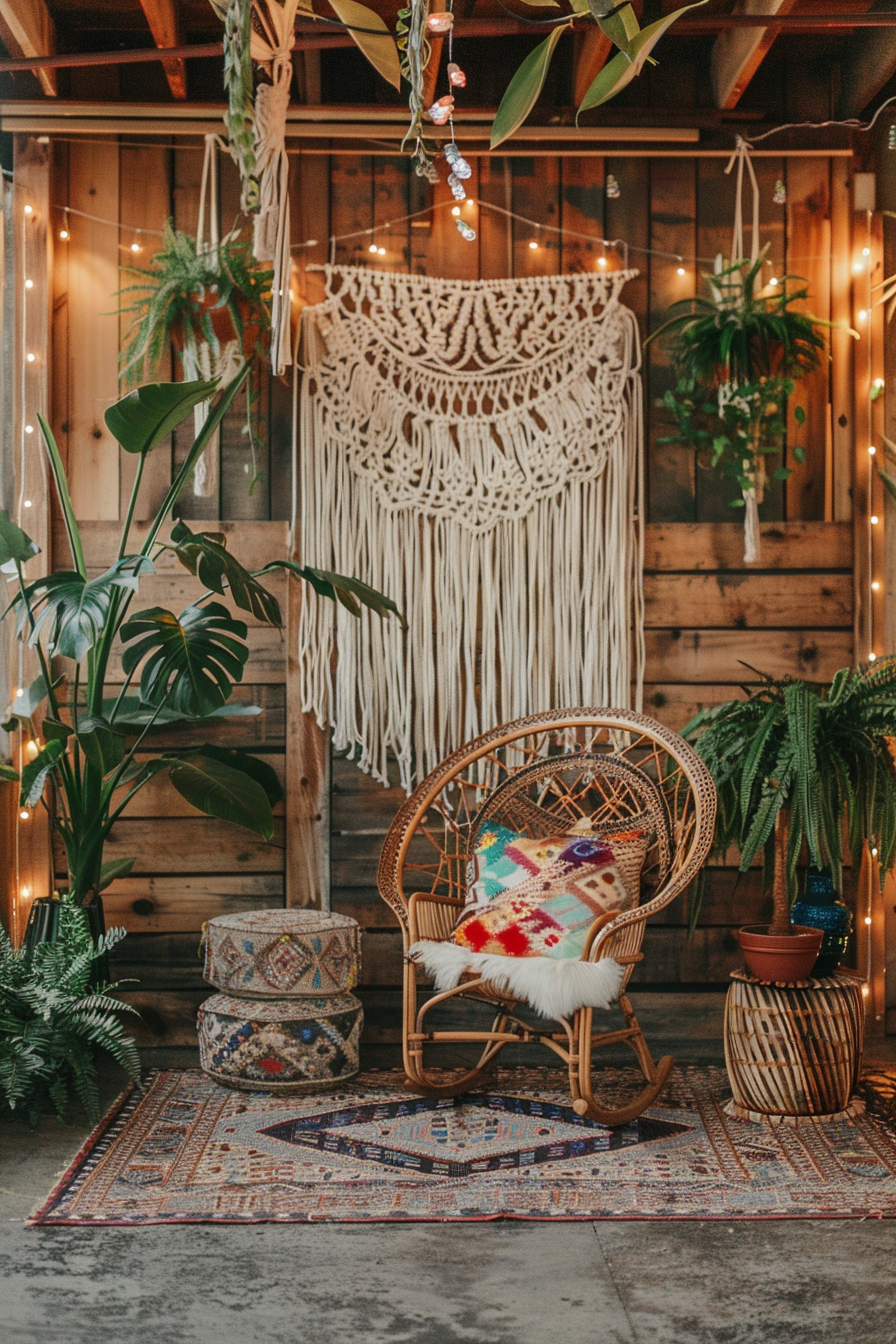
<point x="54" y="1020"/>
<point x="795" y="760"/>
<point x="737" y="354"/>
<point x="108" y="675"/>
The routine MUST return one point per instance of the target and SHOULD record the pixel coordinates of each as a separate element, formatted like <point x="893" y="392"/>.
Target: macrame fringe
<point x="500" y="510"/>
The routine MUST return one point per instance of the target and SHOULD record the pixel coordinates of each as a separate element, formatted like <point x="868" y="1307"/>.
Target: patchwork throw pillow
<point x="538" y="898"/>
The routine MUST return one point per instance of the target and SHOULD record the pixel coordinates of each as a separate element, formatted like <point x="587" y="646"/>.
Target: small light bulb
<point x="875" y="586"/>
<point x="31" y="749"/>
<point x="29" y="209"/>
<point x="865" y="990"/>
<point x="858" y="266"/>
<point x="64" y="235"/>
<point x="874" y="520"/>
<point x="26" y="892"/>
<point x="469" y="202"/>
<point x="871" y="450"/>
<point x="29" y="429"/>
<point x="30" y="357"/>
<point x="455" y="210"/>
<point x="680" y="270"/>
<point x="878" y="382"/>
<point x="773" y="280"/>
<point x="135" y="247"/>
<point x="862" y="315"/>
<point x="26" y="504"/>
<point x="372" y="247"/>
<point x="872" y="657"/>
<point x="29" y="284"/>
<point x="866" y="251"/>
<point x="867" y="919"/>
<point x="381" y="251"/>
<point x="601" y="261"/>
<point x="874" y="856"/>
<point x="24" y="815"/>
<point x="533" y="246"/>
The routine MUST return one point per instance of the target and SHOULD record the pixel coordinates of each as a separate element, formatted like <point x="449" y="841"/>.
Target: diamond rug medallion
<point x="189" y="1150"/>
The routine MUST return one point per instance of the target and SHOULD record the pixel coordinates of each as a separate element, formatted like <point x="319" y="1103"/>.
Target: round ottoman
<point x="280" y="1045"/>
<point x="285" y="1021"/>
<point x="279" y="953"/>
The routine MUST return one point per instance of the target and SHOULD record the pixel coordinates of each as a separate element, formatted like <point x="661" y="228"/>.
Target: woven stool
<point x="286" y="1021"/>
<point x="793" y="1051"/>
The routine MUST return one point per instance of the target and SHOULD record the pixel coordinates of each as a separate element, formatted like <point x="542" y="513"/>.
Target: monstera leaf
<point x="220" y="790"/>
<point x="205" y="554"/>
<point x="146" y="416"/>
<point x="34" y="774"/>
<point x="101" y="744"/>
<point x="73" y="611"/>
<point x="260" y="771"/>
<point x="192" y="660"/>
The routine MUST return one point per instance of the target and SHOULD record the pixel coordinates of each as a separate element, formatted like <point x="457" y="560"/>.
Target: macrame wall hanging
<point x="472" y="449"/>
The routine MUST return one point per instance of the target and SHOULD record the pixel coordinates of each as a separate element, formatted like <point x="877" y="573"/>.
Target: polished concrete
<point x="476" y="1283"/>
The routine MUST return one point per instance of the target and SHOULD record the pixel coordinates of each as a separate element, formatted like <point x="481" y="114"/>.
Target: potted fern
<point x="790" y="763"/>
<point x="737" y="355"/>
<point x="91" y="723"/>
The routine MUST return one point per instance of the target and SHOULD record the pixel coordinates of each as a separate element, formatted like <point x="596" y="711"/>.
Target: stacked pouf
<point x="285" y="1020"/>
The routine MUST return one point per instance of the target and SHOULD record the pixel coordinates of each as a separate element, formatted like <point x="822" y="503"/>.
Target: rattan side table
<point x="793" y="1051"/>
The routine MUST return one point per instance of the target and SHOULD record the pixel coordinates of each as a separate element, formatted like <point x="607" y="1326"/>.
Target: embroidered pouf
<point x="280" y="1045"/>
<point x="285" y="1021"/>
<point x="279" y="953"/>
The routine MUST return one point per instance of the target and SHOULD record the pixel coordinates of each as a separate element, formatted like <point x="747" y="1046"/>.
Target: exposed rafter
<point x="738" y="53"/>
<point x="592" y="50"/>
<point x="161" y="15"/>
<point x="870" y="65"/>
<point x="26" y="29"/>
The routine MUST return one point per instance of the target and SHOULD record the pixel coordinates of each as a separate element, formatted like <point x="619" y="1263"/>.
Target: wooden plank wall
<point x="706" y="614"/>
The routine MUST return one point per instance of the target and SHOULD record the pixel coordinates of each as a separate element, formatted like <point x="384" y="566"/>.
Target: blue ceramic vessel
<point x="820" y="909"/>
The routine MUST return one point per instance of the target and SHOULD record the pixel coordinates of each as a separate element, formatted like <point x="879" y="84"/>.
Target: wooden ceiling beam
<point x="26" y="29"/>
<point x="164" y="25"/>
<point x="870" y="64"/>
<point x="738" y="53"/>
<point x="591" y="52"/>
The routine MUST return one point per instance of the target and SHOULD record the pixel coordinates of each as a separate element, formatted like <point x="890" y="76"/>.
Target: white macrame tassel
<point x="499" y="508"/>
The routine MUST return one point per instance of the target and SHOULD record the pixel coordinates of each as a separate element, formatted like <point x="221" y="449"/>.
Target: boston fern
<point x="109" y="675"/>
<point x="53" y="1020"/>
<point x="796" y="759"/>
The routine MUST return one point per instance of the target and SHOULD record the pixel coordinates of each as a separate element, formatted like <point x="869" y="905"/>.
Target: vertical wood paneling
<point x="842" y="370"/>
<point x="145" y="204"/>
<point x="495" y="230"/>
<point x="670" y="469"/>
<point x="536" y="196"/>
<point x="808" y="253"/>
<point x="390" y="202"/>
<point x="582" y="210"/>
<point x="626" y="218"/>
<point x="93" y="282"/>
<point x="351" y="206"/>
<point x="59" y="367"/>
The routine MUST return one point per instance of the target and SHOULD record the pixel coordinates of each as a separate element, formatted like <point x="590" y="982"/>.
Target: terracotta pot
<point x="780" y="957"/>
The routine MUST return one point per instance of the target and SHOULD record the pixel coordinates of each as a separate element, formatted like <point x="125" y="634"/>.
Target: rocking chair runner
<point x="540" y="776"/>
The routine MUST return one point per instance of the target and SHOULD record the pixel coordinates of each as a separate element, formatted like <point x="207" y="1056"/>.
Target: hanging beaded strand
<point x="460" y="169"/>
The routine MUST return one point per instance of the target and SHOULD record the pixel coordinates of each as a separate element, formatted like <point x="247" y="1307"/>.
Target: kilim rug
<point x="187" y="1150"/>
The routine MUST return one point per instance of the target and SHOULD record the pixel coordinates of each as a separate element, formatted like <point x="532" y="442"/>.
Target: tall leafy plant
<point x="109" y="675"/>
<point x="794" y="761"/>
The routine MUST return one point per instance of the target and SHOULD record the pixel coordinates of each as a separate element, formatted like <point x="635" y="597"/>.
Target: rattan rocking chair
<point x="540" y="775"/>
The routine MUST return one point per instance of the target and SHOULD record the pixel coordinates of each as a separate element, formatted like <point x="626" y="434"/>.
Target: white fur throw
<point x="554" y="987"/>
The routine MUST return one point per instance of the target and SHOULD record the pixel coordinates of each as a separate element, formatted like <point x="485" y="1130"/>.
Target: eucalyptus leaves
<point x="108" y="676"/>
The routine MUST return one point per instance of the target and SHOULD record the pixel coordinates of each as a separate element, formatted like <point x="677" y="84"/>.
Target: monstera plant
<point x="108" y="675"/>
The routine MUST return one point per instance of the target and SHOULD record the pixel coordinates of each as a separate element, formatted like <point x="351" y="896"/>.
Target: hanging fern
<point x="200" y="295"/>
<point x="53" y="1021"/>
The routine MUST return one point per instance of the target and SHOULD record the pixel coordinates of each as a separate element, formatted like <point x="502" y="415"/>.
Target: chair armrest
<point x="436" y="923"/>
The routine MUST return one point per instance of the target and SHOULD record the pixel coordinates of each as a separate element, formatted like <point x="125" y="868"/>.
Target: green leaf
<point x="219" y="790"/>
<point x="8" y="772"/>
<point x="522" y="92"/>
<point x="625" y="66"/>
<point x="799" y="415"/>
<point x="381" y="52"/>
<point x="799" y="453"/>
<point x="101" y="744"/>
<point x="259" y="770"/>
<point x="77" y="610"/>
<point x="34" y="775"/>
<point x="26" y="701"/>
<point x="782" y="473"/>
<point x="620" y="27"/>
<point x="146" y="416"/>
<point x="205" y="554"/>
<point x="65" y="500"/>
<point x="889" y="481"/>
<point x="192" y="660"/>
<point x="53" y="728"/>
<point x="351" y="593"/>
<point x="112" y="870"/>
<point x="15" y="545"/>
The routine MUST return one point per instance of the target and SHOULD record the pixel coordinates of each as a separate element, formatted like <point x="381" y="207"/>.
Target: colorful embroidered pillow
<point x="538" y="898"/>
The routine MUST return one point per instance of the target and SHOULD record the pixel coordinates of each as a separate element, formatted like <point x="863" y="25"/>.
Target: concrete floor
<point x="504" y="1283"/>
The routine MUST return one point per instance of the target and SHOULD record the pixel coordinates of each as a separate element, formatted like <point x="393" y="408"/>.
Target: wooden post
<point x="32" y="245"/>
<point x="307" y="785"/>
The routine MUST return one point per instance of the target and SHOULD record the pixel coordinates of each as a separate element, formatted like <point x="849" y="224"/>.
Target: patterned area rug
<point x="187" y="1150"/>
